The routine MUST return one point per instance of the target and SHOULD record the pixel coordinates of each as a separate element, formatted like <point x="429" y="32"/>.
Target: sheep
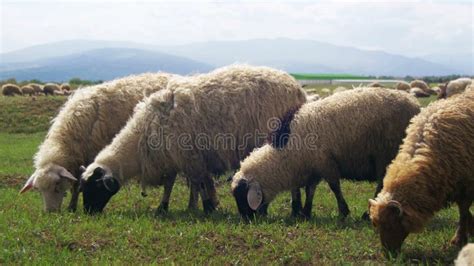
<point x="36" y="87"/>
<point x="223" y="115"/>
<point x="313" y="97"/>
<point x="27" y="90"/>
<point x="419" y="84"/>
<point x="375" y="84"/>
<point x="65" y="87"/>
<point x="454" y="87"/>
<point x="465" y="256"/>
<point x="419" y="93"/>
<point x="11" y="90"/>
<point x="353" y="134"/>
<point x="433" y="168"/>
<point x="403" y="86"/>
<point x="339" y="89"/>
<point x="50" y="88"/>
<point x="86" y="123"/>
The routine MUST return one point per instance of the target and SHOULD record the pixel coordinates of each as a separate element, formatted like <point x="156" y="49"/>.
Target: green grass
<point x="129" y="233"/>
<point x="24" y="115"/>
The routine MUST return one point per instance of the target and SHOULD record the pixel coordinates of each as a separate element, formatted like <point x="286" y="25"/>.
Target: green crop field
<point x="128" y="232"/>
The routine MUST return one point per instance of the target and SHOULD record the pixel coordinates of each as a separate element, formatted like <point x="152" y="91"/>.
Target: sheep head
<point x="387" y="218"/>
<point x="97" y="189"/>
<point x="249" y="198"/>
<point x="52" y="181"/>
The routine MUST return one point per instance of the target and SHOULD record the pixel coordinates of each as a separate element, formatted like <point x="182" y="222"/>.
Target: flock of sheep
<point x="155" y="126"/>
<point x="34" y="89"/>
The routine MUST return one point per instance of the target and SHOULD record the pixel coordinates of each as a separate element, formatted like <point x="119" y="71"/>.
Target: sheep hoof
<point x="208" y="206"/>
<point x="162" y="209"/>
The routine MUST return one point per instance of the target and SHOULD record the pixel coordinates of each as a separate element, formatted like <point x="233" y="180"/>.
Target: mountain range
<point x="104" y="60"/>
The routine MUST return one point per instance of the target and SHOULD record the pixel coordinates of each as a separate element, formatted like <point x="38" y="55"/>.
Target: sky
<point x="412" y="28"/>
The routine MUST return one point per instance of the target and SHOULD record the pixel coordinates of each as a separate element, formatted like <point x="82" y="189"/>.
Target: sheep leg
<point x="193" y="196"/>
<point x="308" y="205"/>
<point x="168" y="187"/>
<point x="74" y="197"/>
<point x="332" y="176"/>
<point x="208" y="195"/>
<point x="465" y="218"/>
<point x="296" y="204"/>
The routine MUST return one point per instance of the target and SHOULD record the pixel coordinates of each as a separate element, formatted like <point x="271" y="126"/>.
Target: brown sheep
<point x="50" y="88"/>
<point x="433" y="167"/>
<point x="375" y="84"/>
<point x="27" y="90"/>
<point x="454" y="87"/>
<point x="11" y="90"/>
<point x="403" y="86"/>
<point x="419" y="84"/>
<point x="37" y="88"/>
<point x="65" y="87"/>
<point x="419" y="93"/>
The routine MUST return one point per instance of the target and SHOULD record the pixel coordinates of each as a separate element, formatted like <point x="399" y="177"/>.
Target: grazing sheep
<point x="313" y="97"/>
<point x="27" y="90"/>
<point x="454" y="87"/>
<point x="465" y="256"/>
<point x="433" y="168"/>
<point x="436" y="90"/>
<point x="65" y="87"/>
<point x="50" y="88"/>
<point x="420" y="84"/>
<point x="419" y="93"/>
<point x="86" y="123"/>
<point x="375" y="84"/>
<point x="37" y="88"/>
<point x="353" y="134"/>
<point x="11" y="90"/>
<point x="222" y="116"/>
<point x="339" y="89"/>
<point x="403" y="86"/>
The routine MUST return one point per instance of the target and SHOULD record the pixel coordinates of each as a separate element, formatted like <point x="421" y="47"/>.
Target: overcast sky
<point x="403" y="27"/>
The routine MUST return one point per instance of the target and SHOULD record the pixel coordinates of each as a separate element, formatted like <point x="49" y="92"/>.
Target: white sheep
<point x="199" y="126"/>
<point x="353" y="134"/>
<point x="86" y="123"/>
<point x="454" y="87"/>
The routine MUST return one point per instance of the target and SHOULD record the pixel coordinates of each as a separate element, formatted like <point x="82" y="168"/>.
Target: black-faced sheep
<point x="353" y="134"/>
<point x="200" y="126"/>
<point x="86" y="123"/>
<point x="11" y="90"/>
<point x="454" y="87"/>
<point x="434" y="167"/>
<point x="50" y="89"/>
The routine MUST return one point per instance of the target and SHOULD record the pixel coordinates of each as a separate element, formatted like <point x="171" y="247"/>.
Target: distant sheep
<point x="353" y="134"/>
<point x="37" y="88"/>
<point x="434" y="167"/>
<point x="454" y="87"/>
<point x="27" y="90"/>
<point x="465" y="256"/>
<point x="403" y="86"/>
<point x="86" y="123"/>
<point x="419" y="93"/>
<point x="313" y="97"/>
<point x="236" y="102"/>
<point x="339" y="89"/>
<point x="65" y="87"/>
<point x="375" y="84"/>
<point x="11" y="90"/>
<point x="420" y="84"/>
<point x="50" y="88"/>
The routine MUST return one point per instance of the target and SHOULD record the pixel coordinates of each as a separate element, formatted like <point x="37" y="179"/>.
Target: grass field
<point x="129" y="232"/>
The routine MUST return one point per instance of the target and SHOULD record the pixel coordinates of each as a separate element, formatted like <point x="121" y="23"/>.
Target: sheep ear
<point x="254" y="196"/>
<point x="395" y="206"/>
<point x="372" y="202"/>
<point x="82" y="169"/>
<point x="63" y="173"/>
<point x="28" y="185"/>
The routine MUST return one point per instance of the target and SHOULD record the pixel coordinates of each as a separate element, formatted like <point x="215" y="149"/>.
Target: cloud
<point x="405" y="27"/>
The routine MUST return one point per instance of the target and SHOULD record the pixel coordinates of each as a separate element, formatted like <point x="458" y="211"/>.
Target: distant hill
<point x="90" y="59"/>
<point x="102" y="64"/>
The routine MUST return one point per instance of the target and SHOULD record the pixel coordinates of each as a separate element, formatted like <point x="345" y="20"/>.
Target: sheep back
<point x="11" y="90"/>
